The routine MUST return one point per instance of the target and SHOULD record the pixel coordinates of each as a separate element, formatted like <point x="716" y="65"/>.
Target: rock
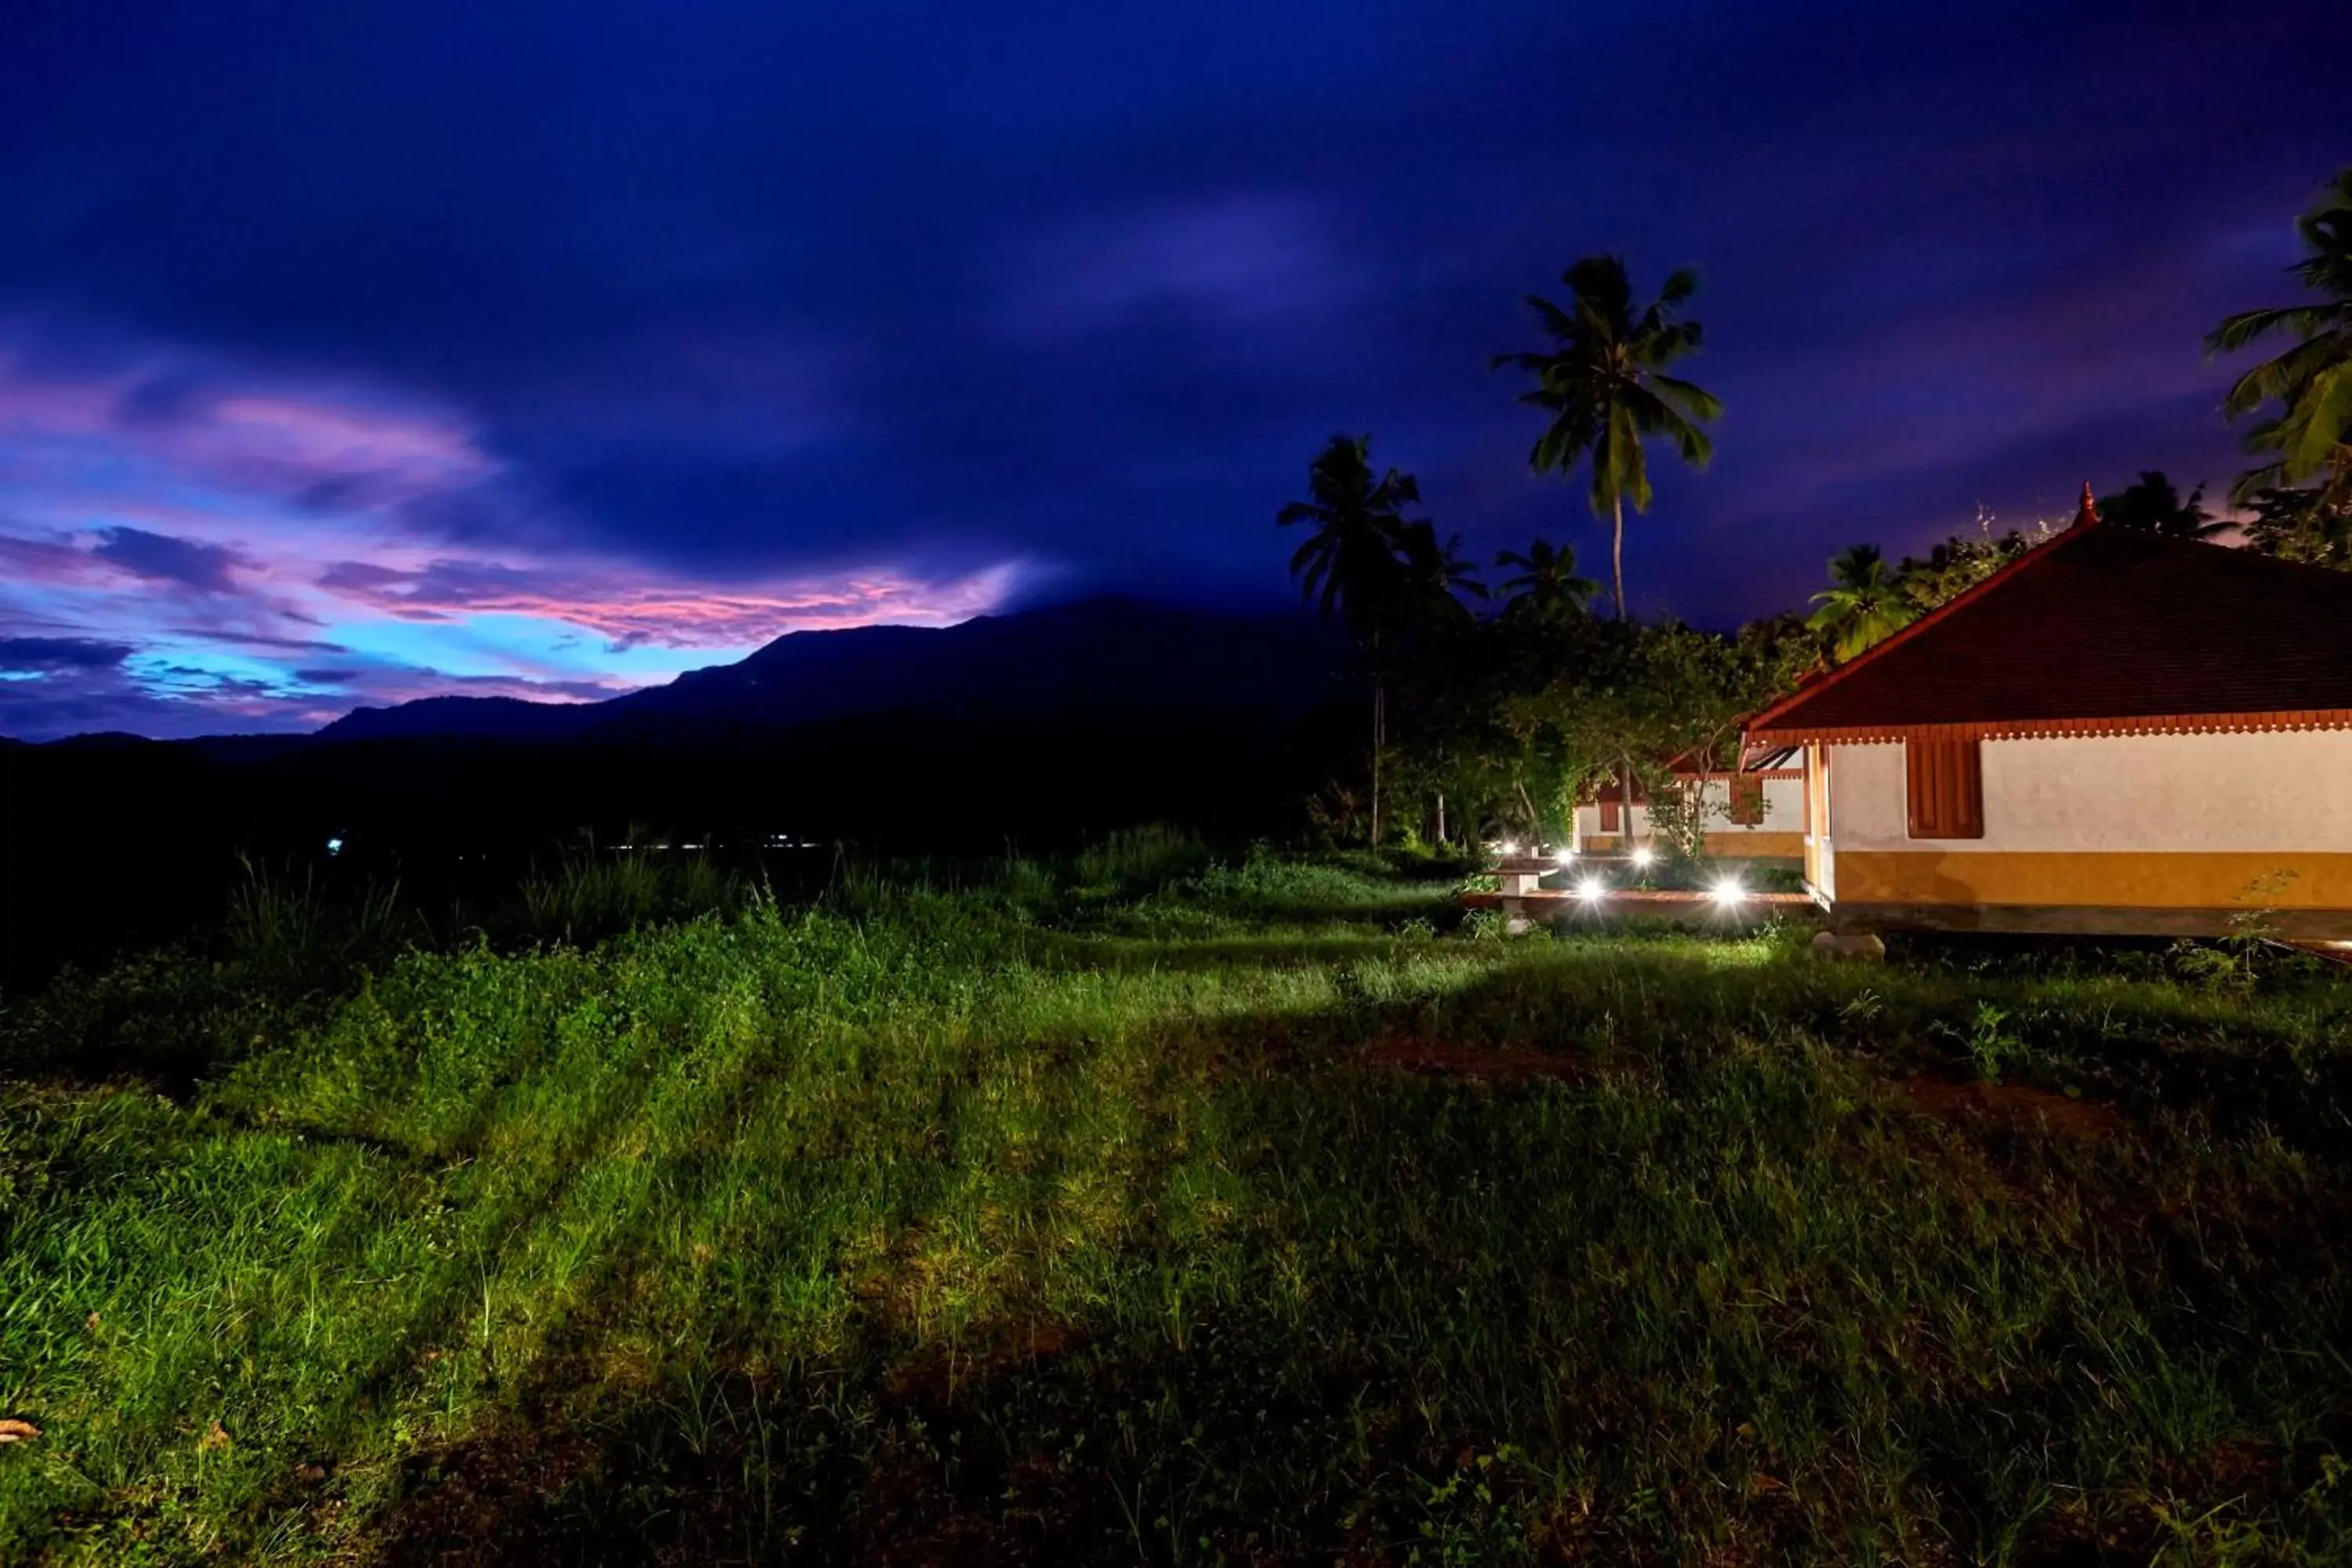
<point x="1851" y="947"/>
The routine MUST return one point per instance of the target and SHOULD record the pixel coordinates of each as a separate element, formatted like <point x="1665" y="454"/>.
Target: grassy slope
<point x="921" y="1234"/>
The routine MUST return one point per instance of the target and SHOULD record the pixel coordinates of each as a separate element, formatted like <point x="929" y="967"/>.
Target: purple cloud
<point x="162" y="558"/>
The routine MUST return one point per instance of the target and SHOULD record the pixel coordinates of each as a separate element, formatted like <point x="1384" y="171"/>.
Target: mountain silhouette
<point x="1089" y="662"/>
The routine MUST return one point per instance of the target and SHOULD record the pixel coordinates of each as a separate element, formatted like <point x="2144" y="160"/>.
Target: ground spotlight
<point x="1728" y="891"/>
<point x="1591" y="888"/>
<point x="1565" y="857"/>
<point x="1510" y="846"/>
<point x="1644" y="854"/>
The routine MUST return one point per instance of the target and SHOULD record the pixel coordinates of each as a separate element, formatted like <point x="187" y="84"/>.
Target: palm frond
<point x="2322" y="417"/>
<point x="1694" y="401"/>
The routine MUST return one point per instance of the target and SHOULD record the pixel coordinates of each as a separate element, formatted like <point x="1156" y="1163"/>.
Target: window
<point x="1747" y="801"/>
<point x="1946" y="781"/>
<point x="1607" y="814"/>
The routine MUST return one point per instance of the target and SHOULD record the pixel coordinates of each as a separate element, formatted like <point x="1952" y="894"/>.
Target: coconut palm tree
<point x="1354" y="563"/>
<point x="1435" y="576"/>
<point x="1547" y="586"/>
<point x="1604" y="384"/>
<point x="1862" y="604"/>
<point x="2310" y="384"/>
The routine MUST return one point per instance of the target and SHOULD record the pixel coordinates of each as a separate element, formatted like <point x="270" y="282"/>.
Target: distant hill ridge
<point x="1092" y="661"/>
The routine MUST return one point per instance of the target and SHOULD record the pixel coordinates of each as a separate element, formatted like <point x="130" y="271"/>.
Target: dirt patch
<point x="2233" y="1464"/>
<point x="1476" y="1064"/>
<point x="936" y="1372"/>
<point x="494" y="1498"/>
<point x="2014" y="1108"/>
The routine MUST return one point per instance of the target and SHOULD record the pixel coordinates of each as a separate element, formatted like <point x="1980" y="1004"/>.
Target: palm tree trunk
<point x="1380" y="734"/>
<point x="1617" y="557"/>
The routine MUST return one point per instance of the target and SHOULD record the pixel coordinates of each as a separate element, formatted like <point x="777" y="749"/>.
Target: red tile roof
<point x="2102" y="630"/>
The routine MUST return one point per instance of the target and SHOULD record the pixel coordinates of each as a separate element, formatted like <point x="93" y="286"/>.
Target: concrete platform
<point x="1702" y="910"/>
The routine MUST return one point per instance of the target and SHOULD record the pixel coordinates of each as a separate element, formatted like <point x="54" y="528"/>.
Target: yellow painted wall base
<point x="1721" y="845"/>
<point x="2129" y="880"/>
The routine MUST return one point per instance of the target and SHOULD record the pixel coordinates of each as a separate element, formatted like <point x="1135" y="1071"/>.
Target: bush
<point x="1142" y="859"/>
<point x="591" y="897"/>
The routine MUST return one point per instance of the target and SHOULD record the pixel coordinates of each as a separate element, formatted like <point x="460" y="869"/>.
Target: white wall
<point x="1784" y="811"/>
<point x="2275" y="790"/>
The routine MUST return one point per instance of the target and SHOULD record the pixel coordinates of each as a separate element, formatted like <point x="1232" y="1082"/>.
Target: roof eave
<point x="2058" y="728"/>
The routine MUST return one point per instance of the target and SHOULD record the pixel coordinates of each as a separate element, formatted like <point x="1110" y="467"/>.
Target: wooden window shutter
<point x="1747" y="800"/>
<point x="1945" y="780"/>
<point x="1607" y="814"/>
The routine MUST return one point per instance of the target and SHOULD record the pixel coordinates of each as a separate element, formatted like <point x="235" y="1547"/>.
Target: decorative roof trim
<point x="2061" y="729"/>
<point x="2087" y="516"/>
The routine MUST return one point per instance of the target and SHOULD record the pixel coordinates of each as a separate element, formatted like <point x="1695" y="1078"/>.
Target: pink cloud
<point x="229" y="526"/>
<point x="636" y="609"/>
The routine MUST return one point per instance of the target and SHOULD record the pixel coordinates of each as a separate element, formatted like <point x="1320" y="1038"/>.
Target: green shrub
<point x="1141" y="859"/>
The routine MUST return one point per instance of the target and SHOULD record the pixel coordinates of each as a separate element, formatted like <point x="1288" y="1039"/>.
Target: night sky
<point x="352" y="352"/>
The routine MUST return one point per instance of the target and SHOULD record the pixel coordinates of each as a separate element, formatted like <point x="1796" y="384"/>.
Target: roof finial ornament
<point x="2089" y="516"/>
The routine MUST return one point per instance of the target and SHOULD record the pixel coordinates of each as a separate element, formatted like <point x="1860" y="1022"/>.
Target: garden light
<point x="1728" y="891"/>
<point x="1566" y="856"/>
<point x="1644" y="854"/>
<point x="1510" y="846"/>
<point x="1591" y="888"/>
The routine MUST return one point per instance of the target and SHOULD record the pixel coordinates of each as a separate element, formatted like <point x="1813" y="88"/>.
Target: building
<point x="1757" y="813"/>
<point x="2116" y="734"/>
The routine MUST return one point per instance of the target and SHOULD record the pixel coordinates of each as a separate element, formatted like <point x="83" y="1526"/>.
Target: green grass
<point x="1092" y="1220"/>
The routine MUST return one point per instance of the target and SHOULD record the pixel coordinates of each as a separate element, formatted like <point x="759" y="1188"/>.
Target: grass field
<point x="1252" y="1215"/>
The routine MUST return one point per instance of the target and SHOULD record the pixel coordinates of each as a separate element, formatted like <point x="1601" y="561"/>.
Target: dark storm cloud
<point x="257" y="641"/>
<point x="740" y="289"/>
<point x="160" y="558"/>
<point x="60" y="653"/>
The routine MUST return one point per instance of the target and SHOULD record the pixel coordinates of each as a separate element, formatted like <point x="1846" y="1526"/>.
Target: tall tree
<point x="1862" y="604"/>
<point x="2153" y="505"/>
<point x="1353" y="563"/>
<point x="1546" y="587"/>
<point x="2304" y="395"/>
<point x="1604" y="384"/>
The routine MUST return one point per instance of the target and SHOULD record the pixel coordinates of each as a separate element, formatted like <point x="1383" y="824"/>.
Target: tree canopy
<point x="1862" y="604"/>
<point x="2153" y="505"/>
<point x="1545" y="585"/>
